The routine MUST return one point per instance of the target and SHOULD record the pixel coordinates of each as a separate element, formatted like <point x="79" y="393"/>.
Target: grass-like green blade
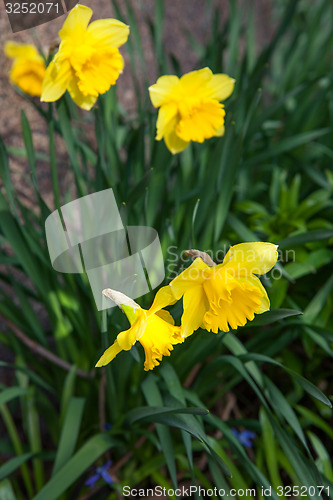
<point x="175" y="388"/>
<point x="11" y="393"/>
<point x="306" y="384"/>
<point x="324" y="459"/>
<point x="9" y="467"/>
<point x="311" y="418"/>
<point x="33" y="376"/>
<point x="269" y="449"/>
<point x="69" y="433"/>
<point x="307" y="237"/>
<point x="29" y="147"/>
<point x="316" y="305"/>
<point x="288" y="144"/>
<point x="6" y="490"/>
<point x="153" y="397"/>
<point x="76" y="466"/>
<point x="282" y="406"/>
<point x="272" y="316"/>
<point x="150" y="414"/>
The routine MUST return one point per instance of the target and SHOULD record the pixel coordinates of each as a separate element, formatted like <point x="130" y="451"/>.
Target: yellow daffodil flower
<point x="88" y="61"/>
<point x="189" y="107"/>
<point x="28" y="69"/>
<point x="154" y="330"/>
<point x="224" y="296"/>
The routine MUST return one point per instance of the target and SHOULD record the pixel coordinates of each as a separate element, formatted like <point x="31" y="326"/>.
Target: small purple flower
<point x="245" y="437"/>
<point x="107" y="426"/>
<point x="92" y="480"/>
<point x="101" y="472"/>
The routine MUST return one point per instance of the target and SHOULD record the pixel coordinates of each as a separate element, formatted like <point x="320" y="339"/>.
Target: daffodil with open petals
<point x="224" y="296"/>
<point x="154" y="330"/>
<point x="88" y="61"/>
<point x="189" y="107"/>
<point x="28" y="69"/>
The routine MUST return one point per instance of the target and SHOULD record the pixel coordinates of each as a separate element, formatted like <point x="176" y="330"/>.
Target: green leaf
<point x="69" y="433"/>
<point x="35" y="378"/>
<point x="317" y="303"/>
<point x="307" y="386"/>
<point x="29" y="146"/>
<point x="153" y="397"/>
<point x="270" y="449"/>
<point x="6" y="491"/>
<point x="76" y="466"/>
<point x="175" y="389"/>
<point x="13" y="464"/>
<point x="287" y="144"/>
<point x="302" y="238"/>
<point x="315" y="420"/>
<point x="11" y="393"/>
<point x="151" y="413"/>
<point x="282" y="407"/>
<point x="174" y="420"/>
<point x="272" y="316"/>
<point x="323" y="456"/>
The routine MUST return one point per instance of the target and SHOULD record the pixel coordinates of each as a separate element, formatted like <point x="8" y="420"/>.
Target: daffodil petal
<point x="128" y="338"/>
<point x="166" y="120"/>
<point x="21" y="50"/>
<point x="161" y="91"/>
<point x="220" y="87"/>
<point x="251" y="258"/>
<point x="195" y="305"/>
<point x="169" y="294"/>
<point x="56" y="81"/>
<point x="76" y="21"/>
<point x="109" y="354"/>
<point x="220" y="131"/>
<point x="164" y="297"/>
<point x="166" y="316"/>
<point x="84" y="101"/>
<point x="192" y="276"/>
<point x="196" y="80"/>
<point x="174" y="143"/>
<point x="109" y="32"/>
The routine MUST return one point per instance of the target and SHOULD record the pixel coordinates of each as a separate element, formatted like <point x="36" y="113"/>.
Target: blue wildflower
<point x="101" y="472"/>
<point x="245" y="437"/>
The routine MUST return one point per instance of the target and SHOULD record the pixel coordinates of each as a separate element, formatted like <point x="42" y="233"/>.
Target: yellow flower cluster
<point x="215" y="298"/>
<point x="88" y="62"/>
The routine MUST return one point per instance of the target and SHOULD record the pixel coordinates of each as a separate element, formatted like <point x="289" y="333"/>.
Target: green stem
<point x="53" y="161"/>
<point x="12" y="431"/>
<point x="112" y="397"/>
